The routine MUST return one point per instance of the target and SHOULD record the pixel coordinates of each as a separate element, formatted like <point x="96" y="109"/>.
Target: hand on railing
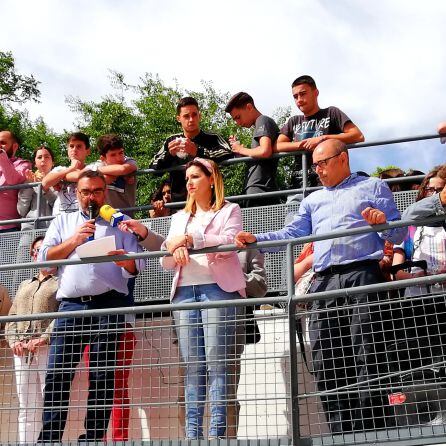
<point x="242" y="238"/>
<point x="181" y="256"/>
<point x="374" y="216"/>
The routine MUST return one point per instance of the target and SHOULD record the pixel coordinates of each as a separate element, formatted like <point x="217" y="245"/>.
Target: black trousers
<point x="347" y="345"/>
<point x="68" y="341"/>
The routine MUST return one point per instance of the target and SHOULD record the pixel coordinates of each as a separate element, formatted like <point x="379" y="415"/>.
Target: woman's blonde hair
<point x="211" y="170"/>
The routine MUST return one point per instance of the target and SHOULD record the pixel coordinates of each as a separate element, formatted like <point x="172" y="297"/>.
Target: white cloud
<point x="382" y="62"/>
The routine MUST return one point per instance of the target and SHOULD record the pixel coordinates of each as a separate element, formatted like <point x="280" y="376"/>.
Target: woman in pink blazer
<point x="206" y="336"/>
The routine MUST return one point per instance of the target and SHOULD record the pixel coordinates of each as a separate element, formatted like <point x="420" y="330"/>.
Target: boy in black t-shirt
<point x="305" y="132"/>
<point x="261" y="172"/>
<point x="182" y="147"/>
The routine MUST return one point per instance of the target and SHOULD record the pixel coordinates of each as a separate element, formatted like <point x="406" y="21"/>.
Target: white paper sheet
<point x="100" y="247"/>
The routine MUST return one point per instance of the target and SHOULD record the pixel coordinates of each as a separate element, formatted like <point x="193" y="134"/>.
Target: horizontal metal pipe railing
<point x="362" y="145"/>
<point x="231" y="247"/>
<point x="290" y="298"/>
<point x="238" y="160"/>
<point x="165" y="308"/>
<point x="232" y="198"/>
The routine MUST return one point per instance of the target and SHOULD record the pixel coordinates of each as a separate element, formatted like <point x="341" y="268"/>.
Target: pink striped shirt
<point x="12" y="171"/>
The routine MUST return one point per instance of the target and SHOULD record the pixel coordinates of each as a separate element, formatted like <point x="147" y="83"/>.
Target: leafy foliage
<point x="380" y="169"/>
<point x="15" y="87"/>
<point x="143" y="115"/>
<point x="32" y="134"/>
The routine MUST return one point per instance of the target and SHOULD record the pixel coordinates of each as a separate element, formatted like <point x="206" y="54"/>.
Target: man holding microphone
<point x="85" y="287"/>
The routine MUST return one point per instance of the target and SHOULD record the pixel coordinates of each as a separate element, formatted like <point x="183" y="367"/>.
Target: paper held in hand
<point x="98" y="247"/>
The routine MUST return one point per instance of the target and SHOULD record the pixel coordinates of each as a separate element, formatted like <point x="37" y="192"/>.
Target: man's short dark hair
<point x="305" y="79"/>
<point x="239" y="100"/>
<point x="14" y="137"/>
<point x="37" y="239"/>
<point x="184" y="102"/>
<point x="79" y="136"/>
<point x="109" y="142"/>
<point x="91" y="174"/>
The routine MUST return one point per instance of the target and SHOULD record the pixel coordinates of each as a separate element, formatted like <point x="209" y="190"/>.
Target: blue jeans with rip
<point x="206" y="340"/>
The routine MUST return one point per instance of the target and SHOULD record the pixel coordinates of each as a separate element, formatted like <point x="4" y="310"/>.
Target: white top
<point x="430" y="245"/>
<point x="197" y="271"/>
<point x="66" y="200"/>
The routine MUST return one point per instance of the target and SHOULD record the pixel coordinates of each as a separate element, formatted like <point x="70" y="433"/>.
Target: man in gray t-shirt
<point x="306" y="131"/>
<point x="261" y="171"/>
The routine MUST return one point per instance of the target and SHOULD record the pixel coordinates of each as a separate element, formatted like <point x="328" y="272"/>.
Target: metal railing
<point x="283" y="193"/>
<point x="153" y="283"/>
<point x="278" y="396"/>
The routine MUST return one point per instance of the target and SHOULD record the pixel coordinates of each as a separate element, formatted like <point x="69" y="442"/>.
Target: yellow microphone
<point x="111" y="215"/>
<point x="114" y="217"/>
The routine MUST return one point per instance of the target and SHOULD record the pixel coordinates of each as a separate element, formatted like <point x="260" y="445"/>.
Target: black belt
<point x="94" y="297"/>
<point x="340" y="269"/>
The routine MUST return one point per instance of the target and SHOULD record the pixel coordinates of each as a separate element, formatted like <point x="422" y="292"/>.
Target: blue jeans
<point x="206" y="339"/>
<point x="68" y="340"/>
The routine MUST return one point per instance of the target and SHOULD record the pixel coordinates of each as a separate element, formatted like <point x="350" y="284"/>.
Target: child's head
<point x="78" y="145"/>
<point x="111" y="149"/>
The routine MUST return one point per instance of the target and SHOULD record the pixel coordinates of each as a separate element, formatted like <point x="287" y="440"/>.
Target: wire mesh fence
<point x="101" y="367"/>
<point x="374" y="370"/>
<point x="375" y="363"/>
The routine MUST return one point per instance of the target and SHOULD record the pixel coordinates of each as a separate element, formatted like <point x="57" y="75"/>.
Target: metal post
<point x="38" y="205"/>
<point x="304" y="173"/>
<point x="294" y="383"/>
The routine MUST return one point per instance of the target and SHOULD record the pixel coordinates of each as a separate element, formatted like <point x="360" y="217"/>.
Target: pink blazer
<point x="224" y="266"/>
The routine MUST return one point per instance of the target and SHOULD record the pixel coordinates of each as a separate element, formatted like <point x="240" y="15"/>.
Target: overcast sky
<point x="381" y="61"/>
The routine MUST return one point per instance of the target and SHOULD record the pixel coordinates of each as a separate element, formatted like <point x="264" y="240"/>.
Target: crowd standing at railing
<point x="347" y="200"/>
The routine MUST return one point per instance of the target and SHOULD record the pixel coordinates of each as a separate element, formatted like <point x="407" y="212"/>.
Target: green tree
<point x="379" y="169"/>
<point x="145" y="114"/>
<point x="32" y="134"/>
<point x="14" y="87"/>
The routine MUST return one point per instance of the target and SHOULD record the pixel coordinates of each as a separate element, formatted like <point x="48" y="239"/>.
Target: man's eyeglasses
<point x="433" y="190"/>
<point x="95" y="192"/>
<point x="323" y="163"/>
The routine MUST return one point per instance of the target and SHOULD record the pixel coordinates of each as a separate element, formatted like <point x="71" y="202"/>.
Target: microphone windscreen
<point x="92" y="210"/>
<point x="106" y="212"/>
<point x="111" y="215"/>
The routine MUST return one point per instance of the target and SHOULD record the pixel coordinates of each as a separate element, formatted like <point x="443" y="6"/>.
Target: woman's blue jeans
<point x="206" y="339"/>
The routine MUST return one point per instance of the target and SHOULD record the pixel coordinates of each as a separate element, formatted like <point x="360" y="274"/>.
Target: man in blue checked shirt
<point x="85" y="287"/>
<point x="347" y="339"/>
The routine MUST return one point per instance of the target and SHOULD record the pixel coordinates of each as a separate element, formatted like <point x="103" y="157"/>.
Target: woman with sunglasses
<point x="424" y="242"/>
<point x="205" y="335"/>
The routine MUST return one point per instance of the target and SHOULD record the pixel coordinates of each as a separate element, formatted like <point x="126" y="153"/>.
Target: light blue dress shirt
<point x="95" y="278"/>
<point x="339" y="208"/>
